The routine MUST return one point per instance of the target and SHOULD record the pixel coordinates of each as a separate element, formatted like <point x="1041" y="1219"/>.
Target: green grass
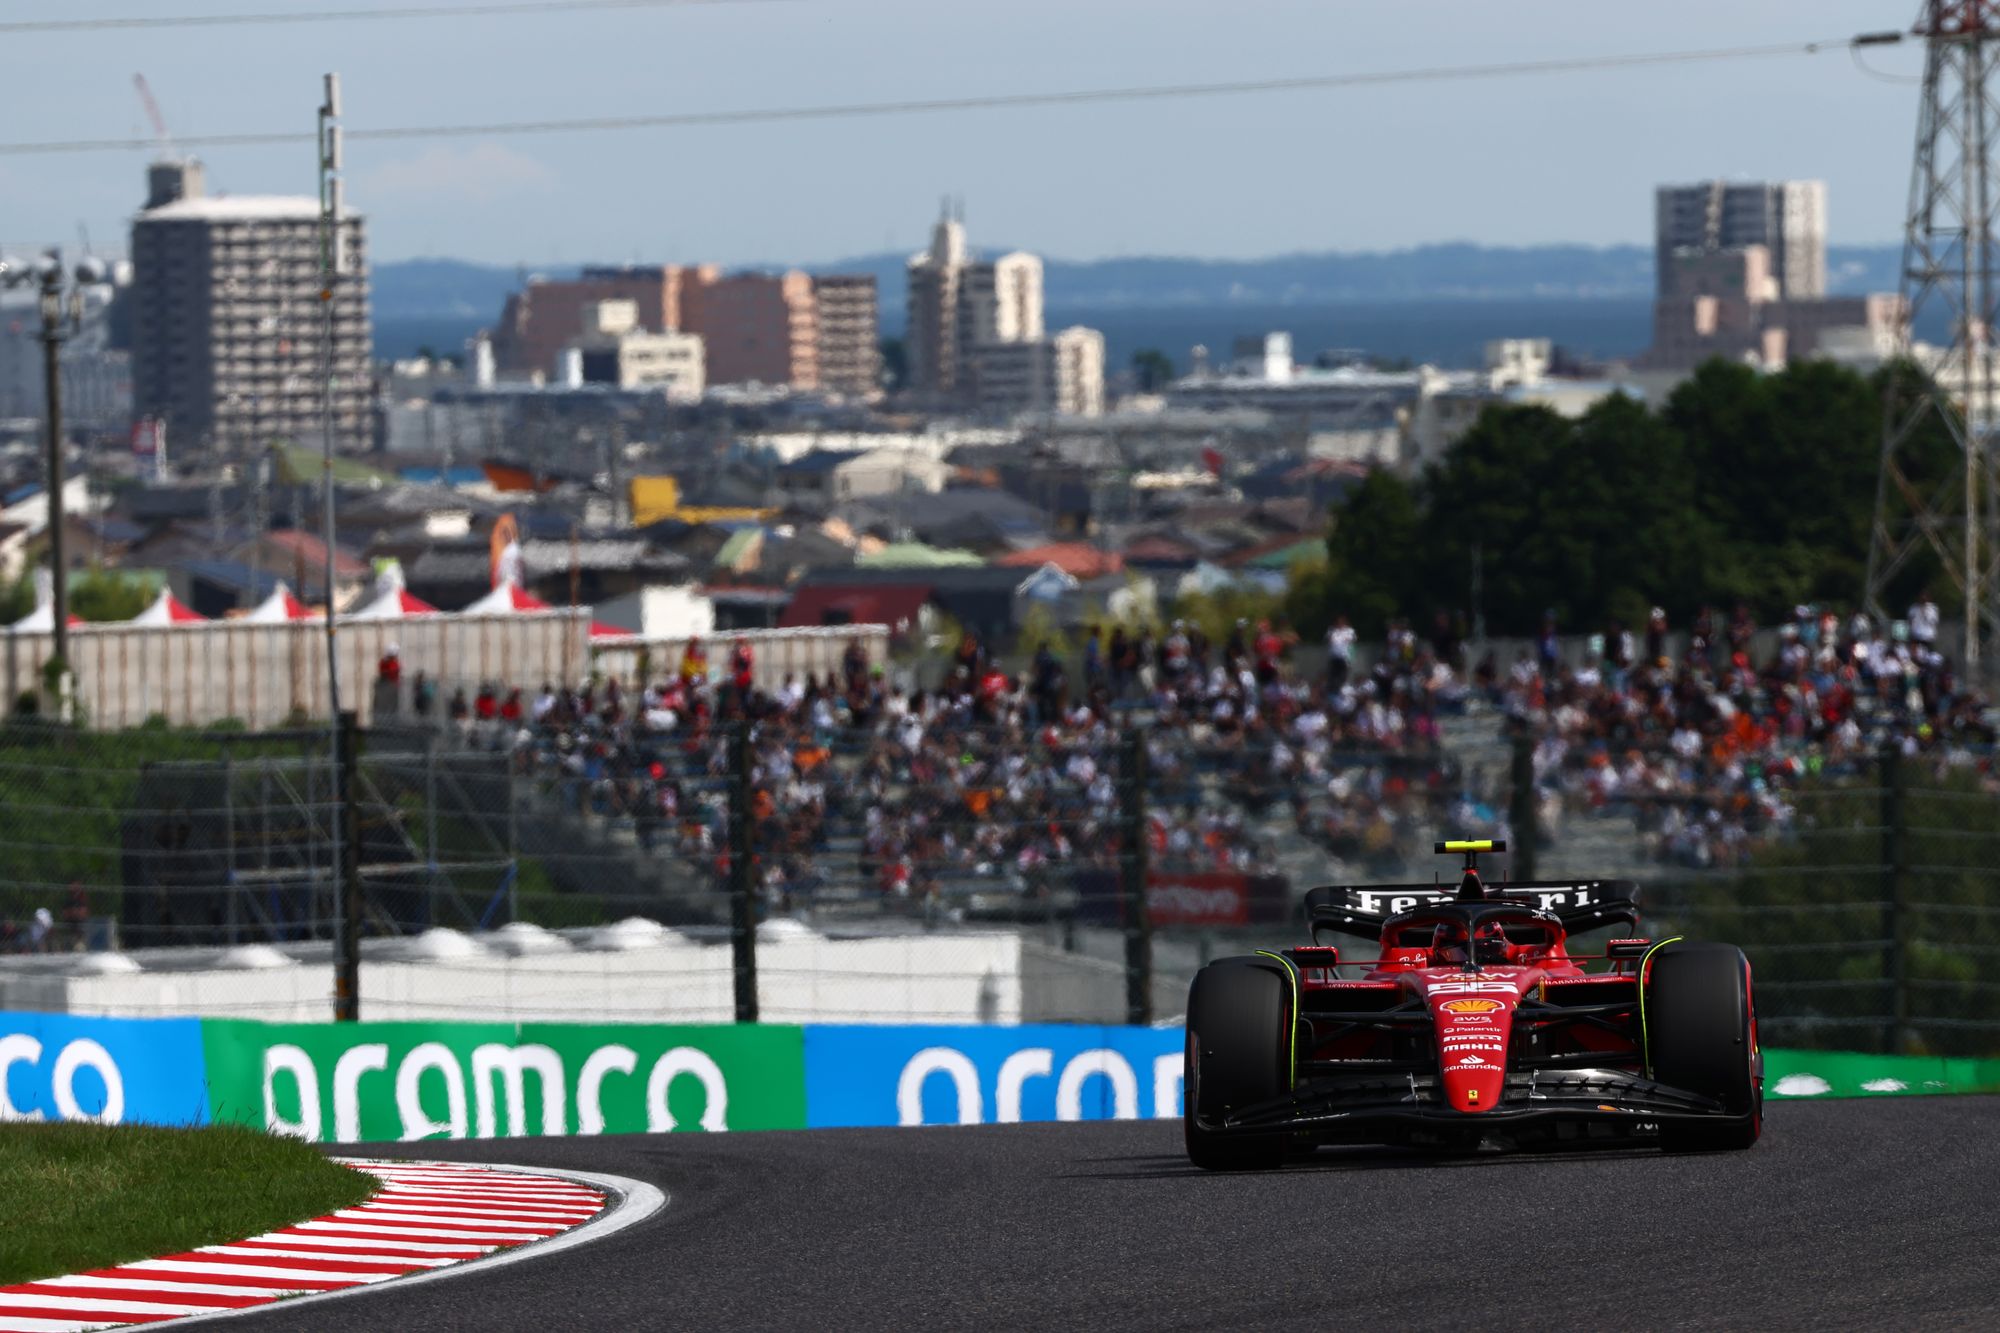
<point x="87" y="1196"/>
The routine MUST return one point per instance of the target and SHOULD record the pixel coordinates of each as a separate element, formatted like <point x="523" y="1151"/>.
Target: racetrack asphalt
<point x="1876" y="1213"/>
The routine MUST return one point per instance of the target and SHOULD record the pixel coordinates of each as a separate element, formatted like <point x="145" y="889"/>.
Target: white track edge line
<point x="634" y="1202"/>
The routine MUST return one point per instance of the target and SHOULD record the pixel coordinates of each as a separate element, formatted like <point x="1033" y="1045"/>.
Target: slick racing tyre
<point x="1701" y="1036"/>
<point x="1239" y="1022"/>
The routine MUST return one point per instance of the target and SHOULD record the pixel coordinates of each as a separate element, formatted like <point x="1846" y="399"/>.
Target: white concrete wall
<point x="802" y="977"/>
<point x="778" y="652"/>
<point x="198" y="674"/>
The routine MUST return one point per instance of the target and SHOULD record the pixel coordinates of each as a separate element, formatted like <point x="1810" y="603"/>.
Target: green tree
<point x="1632" y="535"/>
<point x="1498" y="490"/>
<point x="1373" y="557"/>
<point x="108" y="595"/>
<point x="1153" y="368"/>
<point x="895" y="364"/>
<point x="1741" y="486"/>
<point x="17" y="599"/>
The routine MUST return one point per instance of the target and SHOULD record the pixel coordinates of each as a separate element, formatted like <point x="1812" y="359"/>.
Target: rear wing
<point x="1365" y="909"/>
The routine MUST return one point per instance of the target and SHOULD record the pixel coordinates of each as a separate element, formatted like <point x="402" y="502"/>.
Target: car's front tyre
<point x="1239" y="1033"/>
<point x="1701" y="1036"/>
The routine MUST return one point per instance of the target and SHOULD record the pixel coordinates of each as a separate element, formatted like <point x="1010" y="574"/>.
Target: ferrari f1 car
<point x="1475" y="1026"/>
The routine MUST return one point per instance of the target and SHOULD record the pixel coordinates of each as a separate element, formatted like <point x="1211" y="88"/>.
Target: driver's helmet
<point x="1489" y="943"/>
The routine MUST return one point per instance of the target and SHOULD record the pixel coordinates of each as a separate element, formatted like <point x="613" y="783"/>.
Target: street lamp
<point x="60" y="318"/>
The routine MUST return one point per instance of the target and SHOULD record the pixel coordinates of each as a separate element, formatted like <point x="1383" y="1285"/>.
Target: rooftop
<point x="819" y="460"/>
<point x="240" y="208"/>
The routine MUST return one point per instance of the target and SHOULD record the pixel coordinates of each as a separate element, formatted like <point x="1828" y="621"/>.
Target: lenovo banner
<point x="1193" y="898"/>
<point x="1198" y="900"/>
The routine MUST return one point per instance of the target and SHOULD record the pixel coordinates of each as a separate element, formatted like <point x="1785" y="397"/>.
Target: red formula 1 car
<point x="1475" y="1026"/>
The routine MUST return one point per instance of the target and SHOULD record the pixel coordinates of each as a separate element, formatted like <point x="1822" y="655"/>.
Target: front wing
<point x="1569" y="1103"/>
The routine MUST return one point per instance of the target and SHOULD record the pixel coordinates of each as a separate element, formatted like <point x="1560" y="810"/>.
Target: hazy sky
<point x="1569" y="157"/>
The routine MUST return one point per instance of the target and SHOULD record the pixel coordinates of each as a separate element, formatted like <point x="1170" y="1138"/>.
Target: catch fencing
<point x="919" y="870"/>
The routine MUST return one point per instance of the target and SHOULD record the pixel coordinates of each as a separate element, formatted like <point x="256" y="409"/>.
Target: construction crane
<point x="160" y="134"/>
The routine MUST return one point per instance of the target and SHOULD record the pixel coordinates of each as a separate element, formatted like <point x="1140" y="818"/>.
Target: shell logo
<point x="1470" y="1006"/>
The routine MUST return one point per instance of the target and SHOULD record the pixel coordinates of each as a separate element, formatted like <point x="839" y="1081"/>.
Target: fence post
<point x="347" y="949"/>
<point x="1521" y="826"/>
<point x="430" y="825"/>
<point x="1132" y="880"/>
<point x="742" y="873"/>
<point x="1895" y="857"/>
<point x="508" y="785"/>
<point x="230" y="879"/>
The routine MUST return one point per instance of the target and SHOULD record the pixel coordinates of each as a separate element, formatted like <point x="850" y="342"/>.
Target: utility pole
<point x="742" y="870"/>
<point x="1132" y="871"/>
<point x="347" y="870"/>
<point x="332" y="259"/>
<point x="1895" y="889"/>
<point x="60" y="318"/>
<point x="341" y="827"/>
<point x="53" y="334"/>
<point x="1948" y="257"/>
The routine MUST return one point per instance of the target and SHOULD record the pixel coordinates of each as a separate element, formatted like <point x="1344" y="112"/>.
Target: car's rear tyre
<point x="1239" y="1022"/>
<point x="1701" y="1037"/>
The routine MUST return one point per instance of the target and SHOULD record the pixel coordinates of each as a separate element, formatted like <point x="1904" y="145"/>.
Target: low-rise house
<point x="299" y="557"/>
<point x="832" y="475"/>
<point x="1079" y="560"/>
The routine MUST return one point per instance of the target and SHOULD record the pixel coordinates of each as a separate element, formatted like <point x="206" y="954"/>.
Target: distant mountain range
<point x="455" y="292"/>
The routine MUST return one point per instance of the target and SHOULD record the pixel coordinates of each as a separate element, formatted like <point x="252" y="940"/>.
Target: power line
<point x="25" y="26"/>
<point x="1157" y="92"/>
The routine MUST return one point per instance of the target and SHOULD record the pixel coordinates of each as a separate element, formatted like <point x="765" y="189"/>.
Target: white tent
<point x="278" y="608"/>
<point x="393" y="604"/>
<point x="505" y="599"/>
<point x="168" y="609"/>
<point x="42" y="620"/>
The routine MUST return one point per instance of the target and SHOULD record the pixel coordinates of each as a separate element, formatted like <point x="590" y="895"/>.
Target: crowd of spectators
<point x="877" y="786"/>
<point x="1703" y="738"/>
<point x="873" y="787"/>
<point x="43" y="931"/>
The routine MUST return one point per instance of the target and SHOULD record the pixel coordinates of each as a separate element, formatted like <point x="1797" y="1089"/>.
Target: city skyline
<point x="1213" y="177"/>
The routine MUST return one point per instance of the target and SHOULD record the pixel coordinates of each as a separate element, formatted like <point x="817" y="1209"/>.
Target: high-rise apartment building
<point x="765" y="328"/>
<point x="1788" y="218"/>
<point x="758" y="328"/>
<point x="976" y="334"/>
<point x="1078" y="354"/>
<point x="931" y="341"/>
<point x="1062" y="374"/>
<point x="1743" y="277"/>
<point x="850" y="340"/>
<point x="1000" y="301"/>
<point x="228" y="328"/>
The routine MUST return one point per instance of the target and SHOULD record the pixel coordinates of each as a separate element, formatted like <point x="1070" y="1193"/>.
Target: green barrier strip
<point x="1808" y="1074"/>
<point x="331" y="1082"/>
